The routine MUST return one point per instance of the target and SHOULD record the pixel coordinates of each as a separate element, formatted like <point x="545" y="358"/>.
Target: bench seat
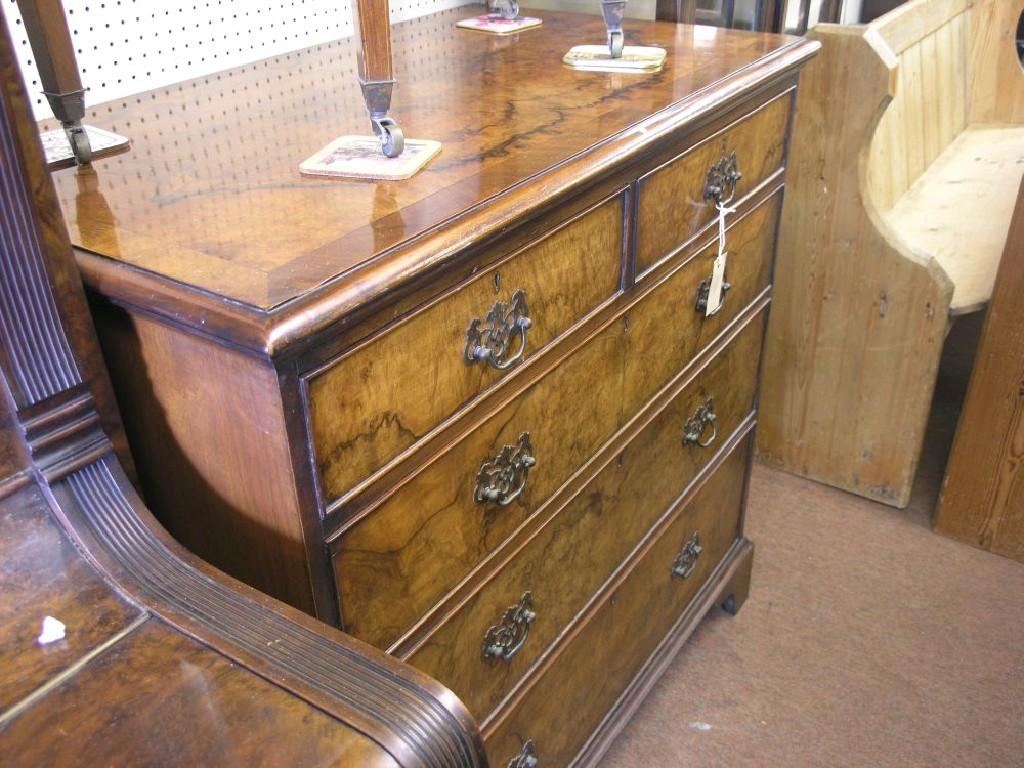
<point x="959" y="209"/>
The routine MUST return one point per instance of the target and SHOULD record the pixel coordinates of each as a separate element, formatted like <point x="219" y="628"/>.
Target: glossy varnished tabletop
<point x="210" y="194"/>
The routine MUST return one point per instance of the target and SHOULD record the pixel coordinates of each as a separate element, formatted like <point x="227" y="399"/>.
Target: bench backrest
<point x="956" y="64"/>
<point x="930" y="41"/>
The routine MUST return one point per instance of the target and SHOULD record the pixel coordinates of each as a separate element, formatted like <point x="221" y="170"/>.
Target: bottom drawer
<point x="568" y="700"/>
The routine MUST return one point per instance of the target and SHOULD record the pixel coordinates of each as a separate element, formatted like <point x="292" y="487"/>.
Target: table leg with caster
<point x="376" y="76"/>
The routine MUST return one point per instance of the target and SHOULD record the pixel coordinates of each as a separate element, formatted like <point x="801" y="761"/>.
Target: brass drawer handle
<point x="686" y="560"/>
<point x="504" y="639"/>
<point x="504" y="477"/>
<point x="527" y="758"/>
<point x="703" y="292"/>
<point x="697" y="425"/>
<point x="722" y="179"/>
<point x="491" y="339"/>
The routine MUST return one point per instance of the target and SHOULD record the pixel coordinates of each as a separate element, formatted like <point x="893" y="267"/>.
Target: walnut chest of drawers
<point x="477" y="418"/>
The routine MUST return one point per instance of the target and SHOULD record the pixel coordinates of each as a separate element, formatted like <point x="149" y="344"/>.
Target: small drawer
<point x="678" y="199"/>
<point x="667" y="330"/>
<point x="532" y="600"/>
<point x="569" y="698"/>
<point x="379" y="399"/>
<point x="397" y="559"/>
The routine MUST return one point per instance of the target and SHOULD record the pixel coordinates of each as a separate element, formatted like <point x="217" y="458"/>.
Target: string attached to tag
<point x="718" y="284"/>
<point x="723" y="211"/>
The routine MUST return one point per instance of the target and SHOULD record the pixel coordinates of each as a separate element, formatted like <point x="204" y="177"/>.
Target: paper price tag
<point x="715" y="289"/>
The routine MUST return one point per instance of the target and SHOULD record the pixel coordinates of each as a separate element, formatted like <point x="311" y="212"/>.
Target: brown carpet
<point x="867" y="640"/>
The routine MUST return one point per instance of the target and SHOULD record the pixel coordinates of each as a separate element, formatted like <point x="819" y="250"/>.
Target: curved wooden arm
<point x="165" y="658"/>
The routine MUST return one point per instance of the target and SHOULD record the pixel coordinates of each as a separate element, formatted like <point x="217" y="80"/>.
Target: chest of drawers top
<point x="207" y="220"/>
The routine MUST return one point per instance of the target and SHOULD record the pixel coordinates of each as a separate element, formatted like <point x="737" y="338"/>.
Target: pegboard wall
<point x="126" y="47"/>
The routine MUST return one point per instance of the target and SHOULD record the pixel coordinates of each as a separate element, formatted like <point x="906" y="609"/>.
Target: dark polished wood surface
<point x="222" y="154"/>
<point x="165" y="660"/>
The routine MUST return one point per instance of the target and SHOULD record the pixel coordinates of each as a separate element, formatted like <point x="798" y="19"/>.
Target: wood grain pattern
<point x="401" y="557"/>
<point x="929" y="99"/>
<point x="959" y="210"/>
<point x="75" y="534"/>
<point x="373" y="27"/>
<point x="363" y="410"/>
<point x="601" y="659"/>
<point x="911" y="22"/>
<point x="671" y="201"/>
<point x="209" y="711"/>
<point x="982" y="500"/>
<point x="57" y="67"/>
<point x="858" y="322"/>
<point x="890" y="227"/>
<point x="260" y="234"/>
<point x="220" y="417"/>
<point x="240" y="657"/>
<point x="42" y="574"/>
<point x="995" y="77"/>
<point x="666" y="330"/>
<point x="576" y="551"/>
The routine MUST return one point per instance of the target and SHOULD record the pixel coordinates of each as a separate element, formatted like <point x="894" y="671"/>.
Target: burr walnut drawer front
<point x="670" y="327"/>
<point x="398" y="558"/>
<point x="497" y="635"/>
<point x="380" y="398"/>
<point x="678" y="199"/>
<point x="569" y="695"/>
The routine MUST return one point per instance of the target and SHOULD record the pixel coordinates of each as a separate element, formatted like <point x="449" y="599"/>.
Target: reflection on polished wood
<point x="222" y="154"/>
<point x="296" y="358"/>
<point x="165" y="660"/>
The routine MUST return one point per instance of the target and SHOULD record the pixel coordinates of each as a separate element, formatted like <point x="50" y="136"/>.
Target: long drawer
<point x="398" y="559"/>
<point x="380" y="398"/>
<point x="673" y="206"/>
<point x="569" y="698"/>
<point x="563" y="564"/>
<point x="404" y="555"/>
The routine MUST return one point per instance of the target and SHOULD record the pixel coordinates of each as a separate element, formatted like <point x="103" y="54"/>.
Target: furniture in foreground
<point x="117" y="647"/>
<point x="475" y="418"/>
<point x="982" y="500"/>
<point x="911" y="148"/>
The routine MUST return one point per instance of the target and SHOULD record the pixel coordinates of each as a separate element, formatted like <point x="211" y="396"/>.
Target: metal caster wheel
<point x="392" y="140"/>
<point x="80" y="146"/>
<point x="616" y="42"/>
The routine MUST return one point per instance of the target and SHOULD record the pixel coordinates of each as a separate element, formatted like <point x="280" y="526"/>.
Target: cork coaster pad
<point x="496" y="24"/>
<point x="635" y="58"/>
<point x="359" y="157"/>
<point x="58" y="152"/>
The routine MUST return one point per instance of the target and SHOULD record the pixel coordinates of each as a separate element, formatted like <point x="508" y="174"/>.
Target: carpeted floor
<point x="867" y="640"/>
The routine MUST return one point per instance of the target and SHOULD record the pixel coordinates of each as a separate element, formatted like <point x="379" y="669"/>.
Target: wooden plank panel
<point x="958" y="95"/>
<point x="896" y="141"/>
<point x="881" y="171"/>
<point x="947" y="72"/>
<point x="857" y="325"/>
<point x="996" y="85"/>
<point x="982" y="499"/>
<point x="931" y="94"/>
<point x="911" y="95"/>
<point x="911" y="22"/>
